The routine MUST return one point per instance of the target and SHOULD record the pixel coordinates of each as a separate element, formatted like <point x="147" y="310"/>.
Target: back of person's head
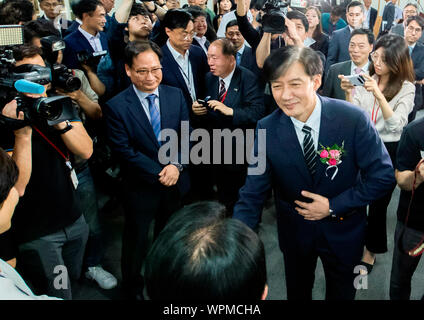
<point x="134" y="48"/>
<point x="355" y="4"/>
<point x="8" y="175"/>
<point x="295" y="14"/>
<point x="280" y="60"/>
<point x="397" y="60"/>
<point x="337" y="11"/>
<point x="196" y="12"/>
<point x="39" y="29"/>
<point x="139" y="9"/>
<point x="176" y="18"/>
<point x="16" y="11"/>
<point x="203" y="256"/>
<point x="367" y="32"/>
<point x="79" y="7"/>
<point x="26" y="51"/>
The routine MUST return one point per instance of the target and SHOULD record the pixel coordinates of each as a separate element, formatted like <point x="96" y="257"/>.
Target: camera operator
<point x="48" y="225"/>
<point x="15" y="172"/>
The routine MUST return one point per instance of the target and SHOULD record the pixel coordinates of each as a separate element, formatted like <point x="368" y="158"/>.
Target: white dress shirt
<point x="202" y="41"/>
<point x="314" y="122"/>
<point x="354" y="66"/>
<point x="93" y="40"/>
<point x="227" y="80"/>
<point x="185" y="69"/>
<point x="142" y="96"/>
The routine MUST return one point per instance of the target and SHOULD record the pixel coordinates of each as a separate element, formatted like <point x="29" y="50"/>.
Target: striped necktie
<point x="154" y="116"/>
<point x="309" y="150"/>
<point x="222" y="90"/>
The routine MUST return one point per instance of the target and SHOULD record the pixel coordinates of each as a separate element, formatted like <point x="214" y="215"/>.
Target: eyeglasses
<point x="186" y="35"/>
<point x="144" y="72"/>
<point x="411" y="12"/>
<point x="412" y="29"/>
<point x="375" y="58"/>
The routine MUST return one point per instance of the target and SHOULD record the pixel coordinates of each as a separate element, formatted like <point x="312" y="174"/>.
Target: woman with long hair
<point x="388" y="97"/>
<point x="224" y="6"/>
<point x="315" y="30"/>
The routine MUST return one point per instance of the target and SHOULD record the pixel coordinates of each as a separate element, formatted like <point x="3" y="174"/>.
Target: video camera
<point x="14" y="81"/>
<point x="273" y="19"/>
<point x="91" y="59"/>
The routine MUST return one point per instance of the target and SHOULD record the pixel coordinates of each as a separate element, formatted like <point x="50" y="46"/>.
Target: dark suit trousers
<point x="376" y="235"/>
<point x="300" y="263"/>
<point x="141" y="206"/>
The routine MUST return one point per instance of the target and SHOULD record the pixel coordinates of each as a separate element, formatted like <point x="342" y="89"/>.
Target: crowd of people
<point x="330" y="97"/>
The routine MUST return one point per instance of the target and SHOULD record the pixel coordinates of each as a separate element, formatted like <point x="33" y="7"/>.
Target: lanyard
<point x="375" y="112"/>
<point x="224" y="95"/>
<point x="67" y="162"/>
<point x="187" y="78"/>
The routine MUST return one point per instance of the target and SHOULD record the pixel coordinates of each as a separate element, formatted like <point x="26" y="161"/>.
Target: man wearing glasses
<point x="410" y="10"/>
<point x="152" y="188"/>
<point x="184" y="65"/>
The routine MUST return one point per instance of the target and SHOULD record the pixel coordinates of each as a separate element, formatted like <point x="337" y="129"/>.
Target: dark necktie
<point x="154" y="116"/>
<point x="309" y="150"/>
<point x="222" y="90"/>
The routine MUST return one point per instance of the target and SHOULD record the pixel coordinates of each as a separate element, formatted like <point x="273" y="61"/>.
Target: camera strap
<point x="67" y="161"/>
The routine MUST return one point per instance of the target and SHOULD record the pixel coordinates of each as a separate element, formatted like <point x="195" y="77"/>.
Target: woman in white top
<point x="388" y="97"/>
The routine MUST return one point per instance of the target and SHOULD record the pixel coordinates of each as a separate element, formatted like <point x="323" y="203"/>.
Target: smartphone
<point x="204" y="102"/>
<point x="356" y="80"/>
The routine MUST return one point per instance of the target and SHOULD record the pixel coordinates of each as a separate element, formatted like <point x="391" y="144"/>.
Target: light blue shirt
<point x="93" y="40"/>
<point x="354" y="66"/>
<point x="314" y="122"/>
<point x="142" y="96"/>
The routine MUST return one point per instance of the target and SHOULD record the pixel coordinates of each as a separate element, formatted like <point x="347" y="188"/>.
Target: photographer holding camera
<point x="15" y="173"/>
<point x="48" y="225"/>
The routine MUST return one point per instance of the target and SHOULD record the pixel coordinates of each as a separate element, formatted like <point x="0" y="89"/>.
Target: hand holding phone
<point x="356" y="80"/>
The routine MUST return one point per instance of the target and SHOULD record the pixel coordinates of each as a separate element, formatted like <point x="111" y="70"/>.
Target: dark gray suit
<point x="332" y="87"/>
<point x="338" y="49"/>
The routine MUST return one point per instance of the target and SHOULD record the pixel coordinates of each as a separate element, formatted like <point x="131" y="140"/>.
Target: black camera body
<point x="91" y="59"/>
<point x="273" y="19"/>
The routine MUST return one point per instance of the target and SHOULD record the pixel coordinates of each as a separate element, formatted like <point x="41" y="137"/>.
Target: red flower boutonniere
<point x="332" y="157"/>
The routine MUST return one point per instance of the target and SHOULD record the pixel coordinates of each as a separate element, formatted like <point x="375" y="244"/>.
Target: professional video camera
<point x="14" y="81"/>
<point x="91" y="59"/>
<point x="273" y="19"/>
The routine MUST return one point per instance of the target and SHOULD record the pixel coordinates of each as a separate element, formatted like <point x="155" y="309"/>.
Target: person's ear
<point x="127" y="70"/>
<point x="316" y="79"/>
<point x="167" y="31"/>
<point x="265" y="293"/>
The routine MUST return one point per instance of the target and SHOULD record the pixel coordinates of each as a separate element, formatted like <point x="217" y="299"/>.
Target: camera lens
<point x="46" y="110"/>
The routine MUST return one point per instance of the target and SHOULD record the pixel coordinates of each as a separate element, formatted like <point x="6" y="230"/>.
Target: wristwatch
<point x="68" y="127"/>
<point x="178" y="165"/>
<point x="331" y="212"/>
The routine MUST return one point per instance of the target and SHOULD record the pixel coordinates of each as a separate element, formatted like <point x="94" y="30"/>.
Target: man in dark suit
<point x="88" y="38"/>
<point x="413" y="32"/>
<point x="360" y="47"/>
<point x="200" y="26"/>
<point x="52" y="10"/>
<point x="370" y="15"/>
<point x="184" y="65"/>
<point x="320" y="206"/>
<point x="410" y="10"/>
<point x="339" y="43"/>
<point x="152" y="187"/>
<point x="245" y="56"/>
<point x="235" y="103"/>
<point x="388" y="17"/>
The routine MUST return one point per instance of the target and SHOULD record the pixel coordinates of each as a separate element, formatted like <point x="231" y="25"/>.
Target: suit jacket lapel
<point x="233" y="89"/>
<point x="167" y="112"/>
<point x="327" y="135"/>
<point x="136" y="111"/>
<point x="173" y="65"/>
<point x="289" y="140"/>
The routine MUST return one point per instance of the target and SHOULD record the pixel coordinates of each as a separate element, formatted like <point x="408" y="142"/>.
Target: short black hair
<point x="196" y="12"/>
<point x="26" y="51"/>
<point x="203" y="256"/>
<point x="410" y="4"/>
<point x="230" y="24"/>
<point x="134" y="48"/>
<point x="355" y="4"/>
<point x="228" y="48"/>
<point x="295" y="14"/>
<point x="84" y="6"/>
<point x="277" y="63"/>
<point x="418" y="19"/>
<point x="39" y="29"/>
<point x="16" y="11"/>
<point x="366" y="32"/>
<point x="8" y="175"/>
<point x="139" y="9"/>
<point x="176" y="18"/>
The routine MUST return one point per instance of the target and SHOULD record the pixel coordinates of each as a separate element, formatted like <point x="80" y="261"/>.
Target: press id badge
<point x="74" y="179"/>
